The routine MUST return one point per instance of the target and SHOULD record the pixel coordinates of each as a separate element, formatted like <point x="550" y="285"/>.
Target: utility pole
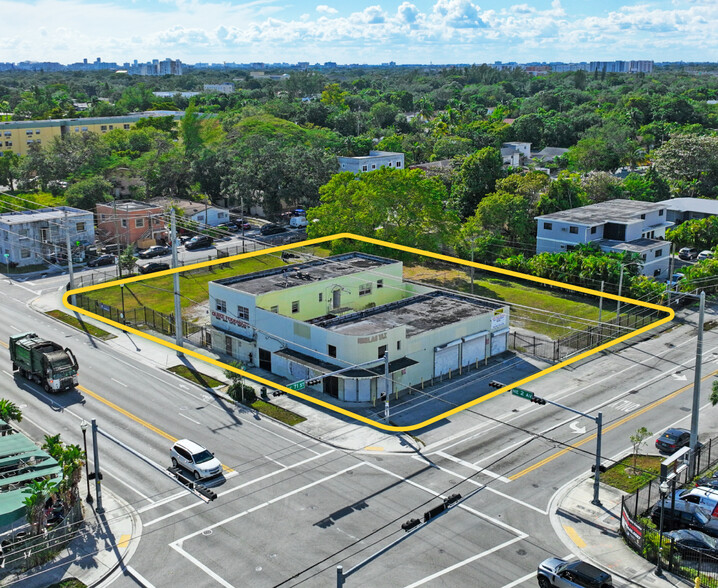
<point x="175" y="278"/>
<point x="387" y="386"/>
<point x="117" y="235"/>
<point x="241" y="206"/>
<point x="69" y="255"/>
<point x="618" y="302"/>
<point x="96" y="459"/>
<point x="697" y="385"/>
<point x="670" y="275"/>
<point x="600" y="306"/>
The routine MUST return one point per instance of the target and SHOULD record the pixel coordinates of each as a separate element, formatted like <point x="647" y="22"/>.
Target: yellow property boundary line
<point x="669" y="316"/>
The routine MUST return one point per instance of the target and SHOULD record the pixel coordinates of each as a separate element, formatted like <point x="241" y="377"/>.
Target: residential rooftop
<point x="373" y="154"/>
<point x="129" y="205"/>
<point x="700" y="205"/>
<point x="618" y="211"/>
<point x="42" y="214"/>
<point x="419" y="314"/>
<point x="298" y="274"/>
<point x="635" y="246"/>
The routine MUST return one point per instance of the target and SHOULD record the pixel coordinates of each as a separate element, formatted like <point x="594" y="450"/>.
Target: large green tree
<point x="690" y="163"/>
<point x="87" y="193"/>
<point x="475" y="179"/>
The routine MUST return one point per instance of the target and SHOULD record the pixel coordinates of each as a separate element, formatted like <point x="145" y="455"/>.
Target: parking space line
<point x="469" y="560"/>
<point x="471" y="466"/>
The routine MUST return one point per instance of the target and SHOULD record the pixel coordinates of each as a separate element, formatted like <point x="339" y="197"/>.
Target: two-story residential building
<point x="129" y="222"/>
<point x="317" y="317"/>
<point x="34" y="237"/>
<point x="614" y="225"/>
<point x="204" y="214"/>
<point x="679" y="210"/>
<point x="515" y="153"/>
<point x="371" y="162"/>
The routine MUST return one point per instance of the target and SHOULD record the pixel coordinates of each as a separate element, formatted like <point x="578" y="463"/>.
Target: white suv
<point x="195" y="458"/>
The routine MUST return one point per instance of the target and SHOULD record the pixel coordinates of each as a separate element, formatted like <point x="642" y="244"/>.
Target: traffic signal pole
<point x="598" y="419"/>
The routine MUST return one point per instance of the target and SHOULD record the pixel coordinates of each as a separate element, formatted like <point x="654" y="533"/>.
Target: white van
<point x="298" y="222"/>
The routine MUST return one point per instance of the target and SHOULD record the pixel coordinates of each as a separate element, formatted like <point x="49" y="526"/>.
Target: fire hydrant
<point x="698" y="582"/>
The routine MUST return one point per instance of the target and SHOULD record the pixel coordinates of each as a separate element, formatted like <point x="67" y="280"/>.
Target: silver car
<point x="559" y="573"/>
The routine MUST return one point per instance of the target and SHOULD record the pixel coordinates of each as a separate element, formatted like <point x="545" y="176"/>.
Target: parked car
<point x="298" y="222"/>
<point x="243" y="224"/>
<point x="559" y="573"/>
<point x="706" y="498"/>
<point x="672" y="440"/>
<point x="706" y="254"/>
<point x="675" y="278"/>
<point x="711" y="482"/>
<point x="688" y="253"/>
<point x="105" y="259"/>
<point x="196" y="459"/>
<point x="688" y="542"/>
<point x="154" y="251"/>
<point x="271" y="229"/>
<point x="679" y="514"/>
<point x="199" y="242"/>
<point x="228" y="227"/>
<point x="154" y="266"/>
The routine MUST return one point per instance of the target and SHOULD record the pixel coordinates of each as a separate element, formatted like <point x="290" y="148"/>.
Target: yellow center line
<point x="5" y="345"/>
<point x="618" y="423"/>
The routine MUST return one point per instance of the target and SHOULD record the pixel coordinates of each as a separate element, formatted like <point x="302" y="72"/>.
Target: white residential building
<point x="371" y="162"/>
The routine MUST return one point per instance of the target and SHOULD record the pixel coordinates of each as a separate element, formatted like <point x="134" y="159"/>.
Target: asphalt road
<point x="291" y="508"/>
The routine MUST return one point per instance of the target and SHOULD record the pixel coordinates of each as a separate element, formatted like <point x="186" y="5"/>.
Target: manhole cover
<point x="258" y="569"/>
<point x="521" y="552"/>
<point x="207" y="533"/>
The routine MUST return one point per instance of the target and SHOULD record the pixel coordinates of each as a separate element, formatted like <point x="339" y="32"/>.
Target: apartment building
<point x="371" y="162"/>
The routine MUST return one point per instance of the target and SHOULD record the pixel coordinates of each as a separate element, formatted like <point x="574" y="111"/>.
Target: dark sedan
<point x="672" y="440"/>
<point x="689" y="541"/>
<point x="105" y="259"/>
<point x="198" y="242"/>
<point x="684" y="515"/>
<point x="154" y="251"/>
<point x="155" y="266"/>
<point x="272" y="229"/>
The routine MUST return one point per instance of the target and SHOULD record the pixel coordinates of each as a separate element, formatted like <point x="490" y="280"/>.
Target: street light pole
<point x="122" y="291"/>
<point x="83" y="426"/>
<point x="663" y="489"/>
<point x="697" y="385"/>
<point x="98" y="490"/>
<point x="618" y="302"/>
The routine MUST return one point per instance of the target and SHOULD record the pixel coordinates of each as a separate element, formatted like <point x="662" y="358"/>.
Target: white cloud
<point x="458" y="13"/>
<point x="407" y="13"/>
<point x="326" y="9"/>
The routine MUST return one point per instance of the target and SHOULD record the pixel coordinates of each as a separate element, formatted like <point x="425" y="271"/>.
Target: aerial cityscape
<point x="419" y="293"/>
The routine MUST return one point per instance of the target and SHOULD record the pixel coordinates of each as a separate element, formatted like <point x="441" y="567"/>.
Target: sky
<point x="358" y="31"/>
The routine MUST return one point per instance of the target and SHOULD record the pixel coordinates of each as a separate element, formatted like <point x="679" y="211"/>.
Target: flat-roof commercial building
<point x="371" y="162"/>
<point x="312" y="318"/>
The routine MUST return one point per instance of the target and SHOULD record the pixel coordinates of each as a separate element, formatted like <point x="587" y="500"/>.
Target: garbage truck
<point x="44" y="362"/>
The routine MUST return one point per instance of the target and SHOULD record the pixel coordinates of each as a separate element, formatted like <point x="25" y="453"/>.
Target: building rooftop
<point x="701" y="205"/>
<point x="129" y="205"/>
<point x="42" y="214"/>
<point x="77" y="122"/>
<point x="299" y="274"/>
<point x="188" y="206"/>
<point x="374" y="154"/>
<point x="419" y="314"/>
<point x="635" y="246"/>
<point x="619" y="211"/>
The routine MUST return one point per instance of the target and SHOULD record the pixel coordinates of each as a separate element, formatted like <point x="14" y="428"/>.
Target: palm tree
<point x="53" y="446"/>
<point x="39" y="491"/>
<point x="9" y="411"/>
<point x="72" y="460"/>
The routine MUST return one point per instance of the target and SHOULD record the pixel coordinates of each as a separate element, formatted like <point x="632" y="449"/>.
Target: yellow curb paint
<point x="124" y="541"/>
<point x="379" y="425"/>
<point x="571" y="532"/>
<point x="373" y="448"/>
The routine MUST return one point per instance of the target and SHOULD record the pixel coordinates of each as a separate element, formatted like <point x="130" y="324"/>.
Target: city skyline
<point x="428" y="31"/>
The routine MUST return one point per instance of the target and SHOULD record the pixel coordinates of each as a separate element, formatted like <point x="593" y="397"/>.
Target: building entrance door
<point x="331" y="386"/>
<point x="265" y="360"/>
<point x="336" y="298"/>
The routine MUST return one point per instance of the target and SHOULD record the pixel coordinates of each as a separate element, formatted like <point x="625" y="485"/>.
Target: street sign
<point x="522" y="393"/>
<point x="300" y="385"/>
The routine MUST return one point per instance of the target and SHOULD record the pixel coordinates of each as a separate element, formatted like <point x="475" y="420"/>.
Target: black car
<point x="672" y="440"/>
<point x="272" y="229"/>
<point x="558" y="573"/>
<point x="688" y="542"/>
<point x="199" y="242"/>
<point x="155" y="266"/>
<point x="105" y="259"/>
<point x="154" y="251"/>
<point x="684" y="515"/>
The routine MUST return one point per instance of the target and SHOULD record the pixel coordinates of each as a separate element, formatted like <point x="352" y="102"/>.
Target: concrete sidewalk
<point x="103" y="543"/>
<point x="592" y="534"/>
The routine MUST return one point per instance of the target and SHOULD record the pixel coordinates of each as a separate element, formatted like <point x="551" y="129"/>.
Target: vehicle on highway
<point x="688" y="542"/>
<point x="705" y="254"/>
<point x="672" y="440"/>
<point x="155" y="266"/>
<point x="688" y="253"/>
<point x="272" y="229"/>
<point x="199" y="242"/>
<point x="44" y="362"/>
<point x="679" y="514"/>
<point x="105" y="259"/>
<point x="196" y="459"/>
<point x="558" y="573"/>
<point x="154" y="251"/>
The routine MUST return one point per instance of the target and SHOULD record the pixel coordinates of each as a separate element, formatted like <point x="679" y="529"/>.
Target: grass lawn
<point x="195" y="377"/>
<point x="277" y="412"/>
<point x="69" y="583"/>
<point x="622" y="476"/>
<point x="517" y="292"/>
<point x="80" y="325"/>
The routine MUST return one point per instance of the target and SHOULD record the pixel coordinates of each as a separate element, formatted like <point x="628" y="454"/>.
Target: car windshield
<point x="202" y="456"/>
<point x="670" y="437"/>
<point x="702" y="517"/>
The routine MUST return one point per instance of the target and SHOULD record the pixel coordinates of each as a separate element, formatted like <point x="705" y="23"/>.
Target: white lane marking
<point x="121" y="481"/>
<point x="139" y="577"/>
<point x="118" y="382"/>
<point x="281" y="465"/>
<point x="188" y="418"/>
<point x="14" y="328"/>
<point x="469" y="560"/>
<point x="9" y="375"/>
<point x="216" y="577"/>
<point x="235" y="489"/>
<point x="625" y="405"/>
<point x="576" y="428"/>
<point x="471" y="466"/>
<point x="473" y="511"/>
<point x="485" y="487"/>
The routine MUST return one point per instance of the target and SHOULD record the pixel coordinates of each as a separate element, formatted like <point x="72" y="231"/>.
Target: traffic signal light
<point x="410" y="524"/>
<point x="206" y="492"/>
<point x="601" y="469"/>
<point x="314" y="381"/>
<point x="495" y="384"/>
<point x="538" y="400"/>
<point x="449" y="500"/>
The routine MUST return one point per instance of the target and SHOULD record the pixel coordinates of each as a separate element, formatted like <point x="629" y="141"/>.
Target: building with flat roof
<point x="371" y="162"/>
<point x="313" y="318"/>
<point x="202" y="213"/>
<point x="680" y="210"/>
<point x="129" y="222"/>
<point x="36" y="237"/>
<point x="614" y="225"/>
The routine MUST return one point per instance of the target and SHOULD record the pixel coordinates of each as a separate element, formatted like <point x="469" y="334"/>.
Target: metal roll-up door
<point x="446" y="358"/>
<point x="498" y="341"/>
<point x="473" y="349"/>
